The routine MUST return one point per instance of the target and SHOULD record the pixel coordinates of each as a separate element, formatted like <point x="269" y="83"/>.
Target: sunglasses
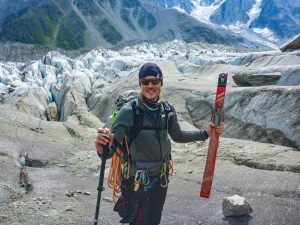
<point x="153" y="81"/>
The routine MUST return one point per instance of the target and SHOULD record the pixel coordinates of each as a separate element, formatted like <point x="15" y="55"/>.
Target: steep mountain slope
<point x="32" y="25"/>
<point x="8" y="7"/>
<point x="277" y="20"/>
<point x="232" y="11"/>
<point x="282" y="17"/>
<point x="85" y="24"/>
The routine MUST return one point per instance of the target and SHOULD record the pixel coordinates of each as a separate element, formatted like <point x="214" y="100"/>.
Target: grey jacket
<point x="152" y="146"/>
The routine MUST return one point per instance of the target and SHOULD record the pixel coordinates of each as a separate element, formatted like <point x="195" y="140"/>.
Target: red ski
<point x="216" y="118"/>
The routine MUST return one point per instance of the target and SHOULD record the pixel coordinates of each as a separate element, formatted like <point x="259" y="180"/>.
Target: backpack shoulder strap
<point x="167" y="107"/>
<point x="168" y="110"/>
<point x="137" y="120"/>
<point x="168" y="113"/>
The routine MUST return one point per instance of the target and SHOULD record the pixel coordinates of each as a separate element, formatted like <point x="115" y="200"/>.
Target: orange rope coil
<point x="115" y="171"/>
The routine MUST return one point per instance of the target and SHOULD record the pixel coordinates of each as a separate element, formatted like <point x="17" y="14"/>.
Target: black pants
<point x="157" y="201"/>
<point x="153" y="206"/>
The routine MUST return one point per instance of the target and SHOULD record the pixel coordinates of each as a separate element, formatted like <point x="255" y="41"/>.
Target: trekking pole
<point x="101" y="179"/>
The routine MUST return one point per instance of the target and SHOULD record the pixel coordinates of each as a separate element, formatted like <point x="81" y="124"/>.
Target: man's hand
<point x="211" y="126"/>
<point x="101" y="140"/>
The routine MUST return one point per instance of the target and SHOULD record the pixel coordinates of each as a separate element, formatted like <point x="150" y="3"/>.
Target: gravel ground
<point x="64" y="174"/>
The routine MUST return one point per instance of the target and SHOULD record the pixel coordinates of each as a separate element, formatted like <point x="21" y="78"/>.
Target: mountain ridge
<point x="273" y="20"/>
<point x="86" y="24"/>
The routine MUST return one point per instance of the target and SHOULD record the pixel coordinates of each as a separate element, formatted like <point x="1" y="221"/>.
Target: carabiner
<point x="163" y="180"/>
<point x="138" y="176"/>
<point x="145" y="178"/>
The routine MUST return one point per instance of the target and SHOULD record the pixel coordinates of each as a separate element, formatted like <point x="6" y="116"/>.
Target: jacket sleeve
<point x="181" y="136"/>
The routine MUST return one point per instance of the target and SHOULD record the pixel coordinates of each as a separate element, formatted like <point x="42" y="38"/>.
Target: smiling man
<point x="150" y="81"/>
<point x="144" y="190"/>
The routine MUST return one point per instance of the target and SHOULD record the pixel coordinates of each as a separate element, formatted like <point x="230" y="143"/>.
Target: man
<point x="150" y="150"/>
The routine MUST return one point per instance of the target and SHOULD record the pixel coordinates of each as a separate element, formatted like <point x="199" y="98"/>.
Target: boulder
<point x="241" y="79"/>
<point x="236" y="206"/>
<point x="52" y="112"/>
<point x="260" y="79"/>
<point x="288" y="64"/>
<point x="292" y="44"/>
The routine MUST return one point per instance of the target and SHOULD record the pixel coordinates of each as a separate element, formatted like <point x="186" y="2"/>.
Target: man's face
<point x="150" y="90"/>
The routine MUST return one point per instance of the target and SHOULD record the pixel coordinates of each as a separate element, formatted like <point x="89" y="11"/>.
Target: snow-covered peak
<point x="254" y="12"/>
<point x="181" y="5"/>
<point x="276" y="20"/>
<point x="203" y="11"/>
